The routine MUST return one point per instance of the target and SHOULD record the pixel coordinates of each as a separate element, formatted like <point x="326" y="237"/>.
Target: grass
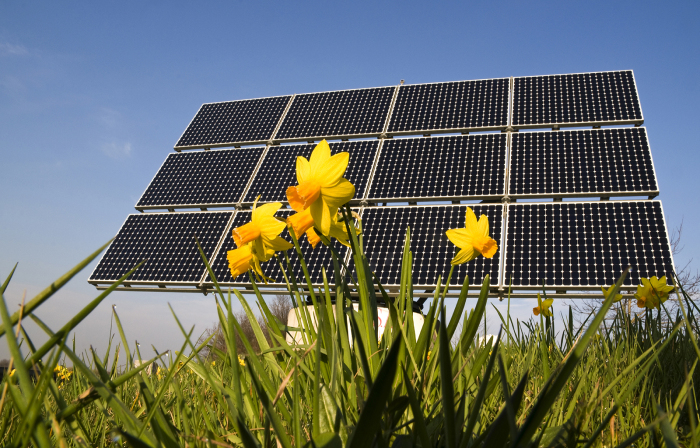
<point x="625" y="382"/>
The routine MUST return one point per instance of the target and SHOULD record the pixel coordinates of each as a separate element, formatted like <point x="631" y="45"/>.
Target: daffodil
<point x="302" y="222"/>
<point x="241" y="361"/>
<point x="245" y="258"/>
<point x="322" y="188"/>
<point x="473" y="240"/>
<point x="652" y="292"/>
<point x="606" y="293"/>
<point x="544" y="307"/>
<point x="262" y="231"/>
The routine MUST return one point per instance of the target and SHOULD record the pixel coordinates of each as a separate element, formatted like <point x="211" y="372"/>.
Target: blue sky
<point x="93" y="96"/>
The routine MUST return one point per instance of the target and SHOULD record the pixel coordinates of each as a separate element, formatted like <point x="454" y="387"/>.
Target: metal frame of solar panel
<point x="581" y="163"/>
<point x="604" y="237"/>
<point x="384" y="233"/>
<point x="407" y="169"/>
<point x="415" y="103"/>
<point x="167" y="242"/>
<point x="624" y="108"/>
<point x="315" y="259"/>
<point x="202" y="179"/>
<point x="338" y="114"/>
<point x="213" y="124"/>
<point x="277" y="170"/>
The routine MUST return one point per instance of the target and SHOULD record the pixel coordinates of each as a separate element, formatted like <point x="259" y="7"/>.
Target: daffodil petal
<point x="319" y="157"/>
<point x="339" y="194"/>
<point x="279" y="244"/>
<point x="464" y="255"/>
<point x="264" y="211"/>
<point x="483" y="225"/>
<point x="459" y="237"/>
<point x="321" y="214"/>
<point x="332" y="172"/>
<point x="470" y="223"/>
<point x="303" y="169"/>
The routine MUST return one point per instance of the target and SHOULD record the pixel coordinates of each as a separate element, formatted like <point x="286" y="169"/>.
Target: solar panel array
<point x="457" y="167"/>
<point x="385" y="232"/>
<point x="234" y="122"/>
<point x="575" y="100"/>
<point x="583" y="162"/>
<point x="567" y="245"/>
<point x="451" y="106"/>
<point x="201" y="178"/>
<point x="581" y="244"/>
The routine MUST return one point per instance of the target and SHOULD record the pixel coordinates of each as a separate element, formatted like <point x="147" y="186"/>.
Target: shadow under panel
<point x="234" y="122"/>
<point x="316" y="259"/>
<point x="451" y="106"/>
<point x="167" y="242"/>
<point x="460" y="166"/>
<point x="360" y="112"/>
<point x="201" y="178"/>
<point x="583" y="162"/>
<point x="585" y="245"/>
<point x="385" y="232"/>
<point x="576" y="100"/>
<point x="277" y="171"/>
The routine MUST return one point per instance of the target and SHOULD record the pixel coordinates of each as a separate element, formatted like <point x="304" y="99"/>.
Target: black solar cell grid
<point x="451" y="106"/>
<point x="599" y="161"/>
<point x="231" y="122"/>
<point x="201" y="178"/>
<point x="341" y="113"/>
<point x="454" y="166"/>
<point x="576" y="99"/>
<point x="167" y="241"/>
<point x="585" y="244"/>
<point x="278" y="169"/>
<point x="316" y="259"/>
<point x="385" y="232"/>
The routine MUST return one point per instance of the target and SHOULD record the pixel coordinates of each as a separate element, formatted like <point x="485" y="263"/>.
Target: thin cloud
<point x="115" y="150"/>
<point x="8" y="49"/>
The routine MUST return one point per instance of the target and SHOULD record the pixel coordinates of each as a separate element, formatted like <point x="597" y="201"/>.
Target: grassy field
<point x="629" y="381"/>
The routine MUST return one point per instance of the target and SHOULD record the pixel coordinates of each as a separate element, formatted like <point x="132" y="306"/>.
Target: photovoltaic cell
<point x="451" y="106"/>
<point x="598" y="162"/>
<point x="201" y="178"/>
<point x="576" y="99"/>
<point x="583" y="245"/>
<point x="278" y="169"/>
<point x="233" y="122"/>
<point x="454" y="167"/>
<point x="359" y="112"/>
<point x="385" y="232"/>
<point x="167" y="241"/>
<point x="316" y="259"/>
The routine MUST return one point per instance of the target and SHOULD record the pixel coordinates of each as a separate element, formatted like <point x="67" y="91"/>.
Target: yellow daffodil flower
<point x="544" y="307"/>
<point x="652" y="292"/>
<point x="606" y="292"/>
<point x="473" y="240"/>
<point x="244" y="259"/>
<point x="322" y="188"/>
<point x="263" y="231"/>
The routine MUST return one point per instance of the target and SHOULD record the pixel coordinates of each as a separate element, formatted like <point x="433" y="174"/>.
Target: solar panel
<point x="384" y="230"/>
<point x="585" y="245"/>
<point x="315" y="258"/>
<point x="234" y="123"/>
<point x="451" y="107"/>
<point x="277" y="171"/>
<point x="576" y="100"/>
<point x="345" y="113"/>
<point x="582" y="163"/>
<point x="167" y="241"/>
<point x="201" y="178"/>
<point x="454" y="167"/>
